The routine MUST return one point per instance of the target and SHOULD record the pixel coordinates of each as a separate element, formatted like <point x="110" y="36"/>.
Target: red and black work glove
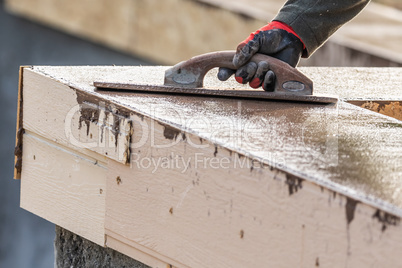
<point x="277" y="40"/>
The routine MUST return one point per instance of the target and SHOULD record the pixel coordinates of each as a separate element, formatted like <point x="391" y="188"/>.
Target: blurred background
<point x="130" y="32"/>
<point x="26" y="239"/>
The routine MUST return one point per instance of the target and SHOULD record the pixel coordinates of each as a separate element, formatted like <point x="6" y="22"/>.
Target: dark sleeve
<point x="316" y="20"/>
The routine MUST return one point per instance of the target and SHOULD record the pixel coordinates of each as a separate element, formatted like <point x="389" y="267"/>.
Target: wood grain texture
<point x="64" y="187"/>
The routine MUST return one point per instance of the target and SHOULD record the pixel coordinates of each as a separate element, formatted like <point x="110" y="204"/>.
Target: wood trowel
<point x="187" y="78"/>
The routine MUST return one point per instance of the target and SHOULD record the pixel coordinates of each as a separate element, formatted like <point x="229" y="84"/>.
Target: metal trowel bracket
<point x="190" y="73"/>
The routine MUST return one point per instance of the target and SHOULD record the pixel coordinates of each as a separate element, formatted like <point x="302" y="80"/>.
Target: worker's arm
<point x="316" y="20"/>
<point x="299" y="29"/>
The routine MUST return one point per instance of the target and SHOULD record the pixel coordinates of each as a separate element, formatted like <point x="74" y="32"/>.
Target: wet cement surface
<point x="343" y="147"/>
<point x="26" y="239"/>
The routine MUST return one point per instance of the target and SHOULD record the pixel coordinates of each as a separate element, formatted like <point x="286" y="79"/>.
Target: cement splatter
<point x="170" y="133"/>
<point x="294" y="183"/>
<point x="18" y="151"/>
<point x="350" y="209"/>
<point x="216" y="150"/>
<point x="386" y="219"/>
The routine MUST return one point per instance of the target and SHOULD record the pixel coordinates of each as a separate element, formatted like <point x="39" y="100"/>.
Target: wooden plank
<point x="19" y="129"/>
<point x="64" y="187"/>
<point x="64" y="117"/>
<point x="136" y="251"/>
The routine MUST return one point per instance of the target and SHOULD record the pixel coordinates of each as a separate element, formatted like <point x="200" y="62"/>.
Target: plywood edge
<point x="137" y="251"/>
<point x="19" y="128"/>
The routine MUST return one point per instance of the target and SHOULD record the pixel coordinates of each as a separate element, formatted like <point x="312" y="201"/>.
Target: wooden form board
<point x="68" y="143"/>
<point x="71" y="187"/>
<point x="170" y="31"/>
<point x="206" y="185"/>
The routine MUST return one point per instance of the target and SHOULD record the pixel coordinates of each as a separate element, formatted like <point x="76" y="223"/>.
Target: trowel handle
<point x="190" y="73"/>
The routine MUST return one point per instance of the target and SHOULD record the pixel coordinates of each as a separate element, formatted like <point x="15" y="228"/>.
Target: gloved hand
<point x="277" y="40"/>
